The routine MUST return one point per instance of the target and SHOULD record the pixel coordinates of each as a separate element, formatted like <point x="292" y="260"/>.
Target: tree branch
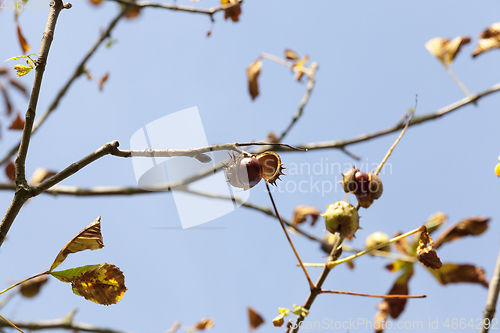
<point x="209" y="11"/>
<point x="491" y="302"/>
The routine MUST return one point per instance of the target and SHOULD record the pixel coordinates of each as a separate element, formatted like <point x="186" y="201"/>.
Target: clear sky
<point x="372" y="62"/>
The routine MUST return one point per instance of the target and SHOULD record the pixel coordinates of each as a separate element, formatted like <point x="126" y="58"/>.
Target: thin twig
<point x="209" y="11"/>
<point x="22" y="187"/>
<point x="78" y="71"/>
<point x="491" y="302"/>
<point x="457" y="80"/>
<point x="276" y="59"/>
<point x="311" y="285"/>
<point x="370" y="295"/>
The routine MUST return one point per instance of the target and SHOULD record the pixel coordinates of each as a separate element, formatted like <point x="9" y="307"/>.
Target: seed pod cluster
<point x="342" y="217"/>
<point x="366" y="187"/>
<point x="245" y="170"/>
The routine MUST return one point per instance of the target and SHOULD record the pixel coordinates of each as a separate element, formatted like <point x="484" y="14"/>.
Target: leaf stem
<point x="23" y="281"/>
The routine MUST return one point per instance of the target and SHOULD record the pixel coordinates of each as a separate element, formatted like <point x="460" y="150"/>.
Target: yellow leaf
<point x="454" y="46"/>
<point x="497" y="170"/>
<point x="299" y="67"/>
<point x="445" y="50"/>
<point x="89" y="238"/>
<point x="22" y="70"/>
<point x="491" y="31"/>
<point x="253" y="71"/>
<point x="436" y="47"/>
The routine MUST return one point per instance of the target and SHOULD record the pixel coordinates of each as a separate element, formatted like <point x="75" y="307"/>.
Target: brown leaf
<point x="103" y="80"/>
<point x="472" y="226"/>
<point x="253" y="71"/>
<point x="89" y="238"/>
<point x="402" y="245"/>
<point x="103" y="284"/>
<point x="291" y="55"/>
<point x="400" y="287"/>
<point x="32" y="287"/>
<point x="350" y="264"/>
<point x="272" y="138"/>
<point x="41" y="175"/>
<point x="133" y="12"/>
<point x="302" y="212"/>
<point x="15" y="83"/>
<point x="445" y="50"/>
<point x="6" y="98"/>
<point x="22" y="41"/>
<point x="233" y="12"/>
<point x="381" y="316"/>
<point x="254" y="318"/>
<point x="10" y="171"/>
<point x="454" y="273"/>
<point x="425" y="253"/>
<point x="486" y="44"/>
<point x="205" y="324"/>
<point x="17" y="124"/>
<point x="492" y="31"/>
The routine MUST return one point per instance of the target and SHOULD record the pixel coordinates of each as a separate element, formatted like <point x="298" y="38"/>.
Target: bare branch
<point x="491" y="302"/>
<point x="209" y="11"/>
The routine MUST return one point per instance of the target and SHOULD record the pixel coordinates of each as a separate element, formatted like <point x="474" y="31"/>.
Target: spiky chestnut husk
<point x="342" y="217"/>
<point x="272" y="168"/>
<point x="377" y="238"/>
<point x="243" y="171"/>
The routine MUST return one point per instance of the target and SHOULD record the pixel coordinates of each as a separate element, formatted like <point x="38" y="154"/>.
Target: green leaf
<point x="69" y="275"/>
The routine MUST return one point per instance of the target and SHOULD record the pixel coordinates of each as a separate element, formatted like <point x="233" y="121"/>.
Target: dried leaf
<point x="41" y="175"/>
<point x="291" y="55"/>
<point x="472" y="226"/>
<point x="10" y="171"/>
<point x="381" y="316"/>
<point x="254" y="318"/>
<point x="103" y="284"/>
<point x="350" y="264"/>
<point x="133" y="12"/>
<point x="272" y="138"/>
<point x="22" y="41"/>
<point x="253" y="71"/>
<point x="89" y="238"/>
<point x="205" y="324"/>
<point x="102" y="81"/>
<point x="402" y="245"/>
<point x="233" y="12"/>
<point x="454" y="46"/>
<point x="32" y="287"/>
<point x="400" y="287"/>
<point x="17" y="124"/>
<point x="19" y="87"/>
<point x="486" y="44"/>
<point x="6" y="98"/>
<point x="492" y="31"/>
<point x="425" y="253"/>
<point x="445" y="50"/>
<point x="455" y="273"/>
<point x="302" y="212"/>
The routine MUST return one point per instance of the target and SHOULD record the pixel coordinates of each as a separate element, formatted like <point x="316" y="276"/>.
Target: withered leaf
<point x="102" y="81"/>
<point x="133" y="12"/>
<point x="381" y="316"/>
<point x="302" y="212"/>
<point x="486" y="44"/>
<point x="400" y="287"/>
<point x="454" y="273"/>
<point x="10" y="171"/>
<point x="425" y="253"/>
<point x="254" y="318"/>
<point x="402" y="245"/>
<point x="444" y="49"/>
<point x="40" y="175"/>
<point x="103" y="284"/>
<point x="234" y="10"/>
<point x="89" y="238"/>
<point x="32" y="287"/>
<point x="205" y="324"/>
<point x="19" y="87"/>
<point x="22" y="41"/>
<point x="272" y="138"/>
<point x="17" y="124"/>
<point x="253" y="71"/>
<point x="471" y="226"/>
<point x="291" y="55"/>
<point x="435" y="221"/>
<point x="6" y="98"/>
<point x="492" y="31"/>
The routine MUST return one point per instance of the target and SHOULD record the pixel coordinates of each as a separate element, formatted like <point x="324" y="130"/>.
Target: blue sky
<point x="372" y="63"/>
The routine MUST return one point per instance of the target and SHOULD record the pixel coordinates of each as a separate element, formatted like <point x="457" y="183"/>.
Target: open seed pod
<point x="272" y="168"/>
<point x="243" y="171"/>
